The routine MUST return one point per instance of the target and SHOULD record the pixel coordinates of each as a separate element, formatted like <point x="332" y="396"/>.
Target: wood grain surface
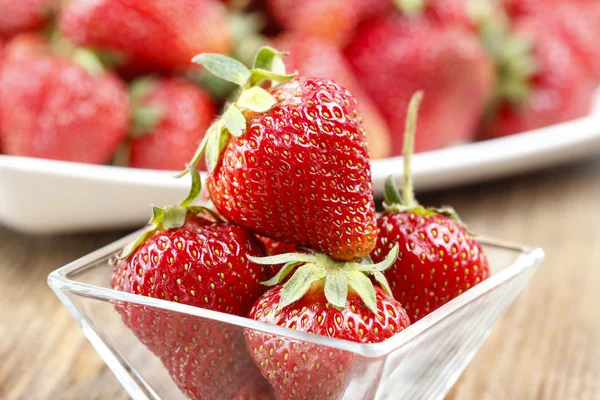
<point x="547" y="345"/>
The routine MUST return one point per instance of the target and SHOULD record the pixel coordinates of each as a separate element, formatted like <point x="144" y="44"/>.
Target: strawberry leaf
<point x="195" y="187"/>
<point x="260" y="75"/>
<point x="174" y="217"/>
<point x="286" y="258"/>
<point x="364" y="288"/>
<point x="256" y="99"/>
<point x="281" y="274"/>
<point x="384" y="264"/>
<point x="379" y="277"/>
<point x="336" y="288"/>
<point x="213" y="144"/>
<point x="224" y="67"/>
<point x="234" y="120"/>
<point x="269" y="59"/>
<point x="299" y="284"/>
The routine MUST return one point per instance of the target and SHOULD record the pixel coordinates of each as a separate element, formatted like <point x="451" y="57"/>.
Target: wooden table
<point x="547" y="346"/>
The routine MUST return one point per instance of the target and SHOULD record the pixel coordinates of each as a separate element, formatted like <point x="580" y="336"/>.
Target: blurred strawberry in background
<point x="153" y="35"/>
<point x="25" y="15"/>
<point x="320" y="59"/>
<point x="396" y="55"/>
<point x="57" y="108"/>
<point x="331" y="20"/>
<point x="169" y="118"/>
<point x="25" y="46"/>
<point x="488" y="69"/>
<point x="547" y="74"/>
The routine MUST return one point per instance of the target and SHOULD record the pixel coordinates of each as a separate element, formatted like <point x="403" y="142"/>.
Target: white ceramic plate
<point x="44" y="196"/>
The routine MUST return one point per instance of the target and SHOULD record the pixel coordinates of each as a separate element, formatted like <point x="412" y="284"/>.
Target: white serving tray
<point x="44" y="196"/>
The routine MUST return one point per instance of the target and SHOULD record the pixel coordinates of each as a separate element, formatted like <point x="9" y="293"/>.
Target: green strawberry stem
<point x="170" y="216"/>
<point x="392" y="199"/>
<point x="268" y="67"/>
<point x="393" y="202"/>
<point x="337" y="277"/>
<point x="408" y="193"/>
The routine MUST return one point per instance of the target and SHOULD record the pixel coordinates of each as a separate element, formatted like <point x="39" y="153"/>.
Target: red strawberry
<point x="518" y="8"/>
<point x="297" y="168"/>
<point x="25" y="46"/>
<point x="54" y="108"/>
<point x="327" y="298"/>
<point x="256" y="389"/>
<point x="316" y="58"/>
<point x="151" y="34"/>
<point x="24" y="15"/>
<point x="580" y="37"/>
<point x="393" y="57"/>
<point x="546" y="83"/>
<point x="170" y="118"/>
<point x="273" y="247"/>
<point x="187" y="259"/>
<point x="332" y="20"/>
<point x="438" y="259"/>
<point x="461" y="13"/>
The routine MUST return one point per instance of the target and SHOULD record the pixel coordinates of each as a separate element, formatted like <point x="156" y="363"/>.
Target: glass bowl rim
<point x="59" y="281"/>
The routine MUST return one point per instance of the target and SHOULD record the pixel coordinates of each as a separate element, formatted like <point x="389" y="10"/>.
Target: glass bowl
<point x="421" y="362"/>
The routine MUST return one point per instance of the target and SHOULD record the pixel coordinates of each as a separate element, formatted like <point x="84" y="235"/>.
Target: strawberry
<point x="542" y="80"/>
<point x="397" y="55"/>
<point x="149" y="35"/>
<point x="316" y="58"/>
<point x="186" y="258"/>
<point x="580" y="37"/>
<point x="518" y="8"/>
<point x="44" y="114"/>
<point x="25" y="46"/>
<point x="273" y="247"/>
<point x="332" y="20"/>
<point x="438" y="259"/>
<point x="256" y="389"/>
<point x="170" y="118"/>
<point x="296" y="167"/>
<point x="323" y="297"/>
<point x="24" y="15"/>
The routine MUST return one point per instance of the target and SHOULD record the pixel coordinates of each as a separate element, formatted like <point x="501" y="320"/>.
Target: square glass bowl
<point x="421" y="362"/>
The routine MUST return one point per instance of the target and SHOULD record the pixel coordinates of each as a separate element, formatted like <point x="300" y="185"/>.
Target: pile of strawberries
<point x="110" y="81"/>
<point x="293" y="240"/>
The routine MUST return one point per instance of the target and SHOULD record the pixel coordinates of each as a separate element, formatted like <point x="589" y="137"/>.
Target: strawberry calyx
<point x="171" y="216"/>
<point x="393" y="200"/>
<point x="144" y="117"/>
<point x="513" y="57"/>
<point x="337" y="277"/>
<point x="268" y="66"/>
<point x="411" y="7"/>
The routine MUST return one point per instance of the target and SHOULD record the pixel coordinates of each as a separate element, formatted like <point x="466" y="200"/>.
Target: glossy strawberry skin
<point x="186" y="112"/>
<point x="150" y="35"/>
<point x="394" y="57"/>
<point x="333" y="20"/>
<point x="202" y="264"/>
<point x="317" y="58"/>
<point x="562" y="90"/>
<point x="24" y="15"/>
<point x="438" y="260"/>
<point x="46" y="115"/>
<point x="298" y="369"/>
<point x="300" y="173"/>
